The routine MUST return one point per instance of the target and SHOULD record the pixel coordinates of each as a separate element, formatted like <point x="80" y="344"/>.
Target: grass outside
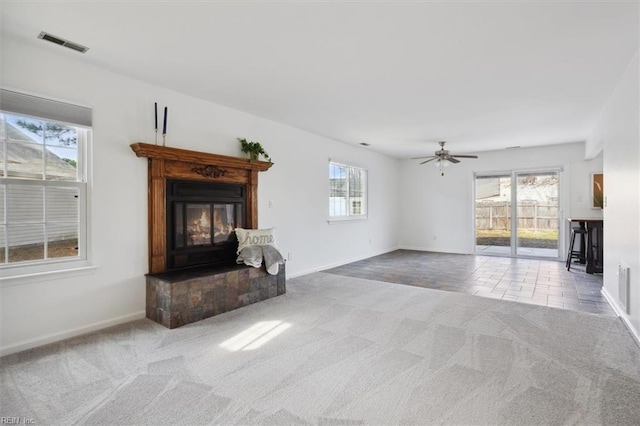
<point x="547" y="238"/>
<point x="56" y="249"/>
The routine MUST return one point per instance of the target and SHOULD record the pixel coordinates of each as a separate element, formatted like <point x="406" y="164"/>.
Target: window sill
<point x="347" y="219"/>
<point x="55" y="271"/>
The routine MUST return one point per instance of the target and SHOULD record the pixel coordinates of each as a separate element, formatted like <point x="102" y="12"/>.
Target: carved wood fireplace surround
<point x="182" y="296"/>
<point x="180" y="164"/>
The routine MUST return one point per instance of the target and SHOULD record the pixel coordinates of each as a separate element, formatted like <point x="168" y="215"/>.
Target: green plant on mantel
<point x="254" y="149"/>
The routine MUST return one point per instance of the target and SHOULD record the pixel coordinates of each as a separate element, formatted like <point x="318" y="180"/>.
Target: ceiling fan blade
<point x="420" y="158"/>
<point x="452" y="159"/>
<point x="464" y="156"/>
<point x="431" y="159"/>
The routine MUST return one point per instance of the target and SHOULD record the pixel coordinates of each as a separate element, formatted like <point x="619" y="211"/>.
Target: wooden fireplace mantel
<point x="165" y="153"/>
<point x="175" y="163"/>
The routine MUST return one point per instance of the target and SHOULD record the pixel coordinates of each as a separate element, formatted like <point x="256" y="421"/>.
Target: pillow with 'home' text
<point x="255" y="237"/>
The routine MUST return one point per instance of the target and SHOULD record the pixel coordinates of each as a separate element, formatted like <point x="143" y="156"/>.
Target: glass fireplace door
<point x="201" y="222"/>
<point x="198" y="224"/>
<point x="226" y="217"/>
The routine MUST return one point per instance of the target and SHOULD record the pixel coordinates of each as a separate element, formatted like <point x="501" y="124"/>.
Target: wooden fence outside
<point x="531" y="215"/>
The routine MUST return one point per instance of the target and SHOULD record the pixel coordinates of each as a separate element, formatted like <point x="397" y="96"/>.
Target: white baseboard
<point x="433" y="249"/>
<point x="340" y="263"/>
<point x="622" y="314"/>
<point x="56" y="337"/>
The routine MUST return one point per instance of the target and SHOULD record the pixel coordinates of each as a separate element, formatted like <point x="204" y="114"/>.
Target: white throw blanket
<point x="253" y="256"/>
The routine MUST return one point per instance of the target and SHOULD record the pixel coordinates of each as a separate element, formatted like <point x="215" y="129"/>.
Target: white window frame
<point x="44" y="269"/>
<point x="365" y="202"/>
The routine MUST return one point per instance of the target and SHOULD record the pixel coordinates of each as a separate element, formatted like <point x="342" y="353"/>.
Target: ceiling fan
<point x="443" y="158"/>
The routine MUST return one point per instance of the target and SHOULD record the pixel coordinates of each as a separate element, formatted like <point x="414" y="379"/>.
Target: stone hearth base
<point x="178" y="298"/>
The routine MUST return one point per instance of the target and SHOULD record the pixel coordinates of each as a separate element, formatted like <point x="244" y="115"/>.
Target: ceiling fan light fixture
<point x="441" y="164"/>
<point x="442" y="158"/>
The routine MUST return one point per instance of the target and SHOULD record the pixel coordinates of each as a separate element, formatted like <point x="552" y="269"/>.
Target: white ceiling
<point x="397" y="75"/>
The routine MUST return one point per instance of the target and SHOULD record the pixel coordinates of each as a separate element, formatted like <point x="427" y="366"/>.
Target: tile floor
<point x="534" y="281"/>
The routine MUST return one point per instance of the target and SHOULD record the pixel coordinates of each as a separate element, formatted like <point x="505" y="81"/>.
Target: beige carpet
<point x="340" y="351"/>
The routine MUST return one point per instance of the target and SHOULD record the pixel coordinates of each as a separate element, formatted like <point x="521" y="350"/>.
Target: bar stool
<point x="575" y="254"/>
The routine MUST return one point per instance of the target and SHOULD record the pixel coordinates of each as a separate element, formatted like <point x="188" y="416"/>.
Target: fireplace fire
<point x="198" y="223"/>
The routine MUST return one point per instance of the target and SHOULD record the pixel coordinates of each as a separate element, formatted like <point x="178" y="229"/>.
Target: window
<point x="43" y="183"/>
<point x="347" y="192"/>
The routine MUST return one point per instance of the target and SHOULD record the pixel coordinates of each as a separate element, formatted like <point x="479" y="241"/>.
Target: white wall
<point x="618" y="133"/>
<point x="438" y="210"/>
<point x="50" y="309"/>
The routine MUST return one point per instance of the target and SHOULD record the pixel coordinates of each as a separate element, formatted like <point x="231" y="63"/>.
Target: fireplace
<point x="196" y="200"/>
<point x="201" y="218"/>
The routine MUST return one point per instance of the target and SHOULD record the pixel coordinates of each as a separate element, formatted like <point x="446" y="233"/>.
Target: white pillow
<point x="255" y="237"/>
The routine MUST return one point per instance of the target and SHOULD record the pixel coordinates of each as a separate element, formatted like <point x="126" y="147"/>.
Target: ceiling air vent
<point x="62" y="42"/>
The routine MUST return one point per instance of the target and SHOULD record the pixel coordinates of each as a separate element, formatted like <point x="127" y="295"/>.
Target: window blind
<point x="34" y="106"/>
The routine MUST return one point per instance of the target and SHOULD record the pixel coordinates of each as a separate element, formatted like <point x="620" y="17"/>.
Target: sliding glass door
<point x="493" y="214"/>
<point x="537" y="214"/>
<point x="526" y="227"/>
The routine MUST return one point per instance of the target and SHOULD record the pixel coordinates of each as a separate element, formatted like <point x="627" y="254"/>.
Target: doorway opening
<point x="517" y="214"/>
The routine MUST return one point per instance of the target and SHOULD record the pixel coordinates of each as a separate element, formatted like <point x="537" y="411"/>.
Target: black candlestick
<point x="164" y="125"/>
<point x="155" y="105"/>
